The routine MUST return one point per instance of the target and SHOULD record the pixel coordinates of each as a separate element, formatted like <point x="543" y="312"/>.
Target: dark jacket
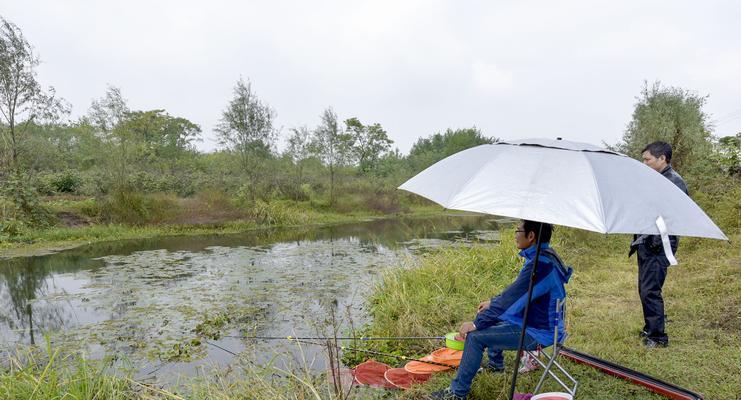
<point x="673" y="176"/>
<point x="509" y="306"/>
<point x="652" y="243"/>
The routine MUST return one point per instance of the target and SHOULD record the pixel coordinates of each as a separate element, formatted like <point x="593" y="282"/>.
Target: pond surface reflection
<point x="157" y="300"/>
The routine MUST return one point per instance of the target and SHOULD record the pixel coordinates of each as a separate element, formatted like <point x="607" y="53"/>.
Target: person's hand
<point x="484" y="305"/>
<point x="465" y="328"/>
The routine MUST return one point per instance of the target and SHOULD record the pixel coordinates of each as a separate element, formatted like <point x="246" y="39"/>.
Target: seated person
<point x="498" y="323"/>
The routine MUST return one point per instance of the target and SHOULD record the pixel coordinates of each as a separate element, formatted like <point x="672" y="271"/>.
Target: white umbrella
<point x="564" y="183"/>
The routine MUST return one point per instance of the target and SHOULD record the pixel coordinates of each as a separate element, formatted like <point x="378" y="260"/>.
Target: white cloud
<point x="513" y="69"/>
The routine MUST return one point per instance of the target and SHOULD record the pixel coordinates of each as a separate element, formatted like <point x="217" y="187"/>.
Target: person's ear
<point x="531" y="236"/>
<point x="662" y="158"/>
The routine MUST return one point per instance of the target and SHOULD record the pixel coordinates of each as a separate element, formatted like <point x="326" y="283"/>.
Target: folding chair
<point x="550" y="360"/>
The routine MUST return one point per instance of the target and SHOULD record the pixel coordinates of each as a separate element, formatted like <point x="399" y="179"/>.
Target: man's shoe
<point x="528" y="363"/>
<point x="493" y="370"/>
<point x="642" y="334"/>
<point x="655" y="343"/>
<point x="445" y="394"/>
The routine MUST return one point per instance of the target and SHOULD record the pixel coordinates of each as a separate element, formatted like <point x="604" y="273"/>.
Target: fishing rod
<point x="361" y="338"/>
<point x="346" y="348"/>
<point x="400" y="357"/>
<point x="378" y="353"/>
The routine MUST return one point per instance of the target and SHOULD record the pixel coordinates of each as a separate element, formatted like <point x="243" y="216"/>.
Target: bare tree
<point x="246" y="127"/>
<point x="331" y="145"/>
<point x="299" y="147"/>
<point x="108" y="114"/>
<point x="23" y="102"/>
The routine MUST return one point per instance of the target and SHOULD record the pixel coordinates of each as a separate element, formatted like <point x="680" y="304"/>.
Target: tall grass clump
<point x="130" y="207"/>
<point x="296" y="380"/>
<point x="431" y="298"/>
<point x="275" y="213"/>
<point x="52" y="375"/>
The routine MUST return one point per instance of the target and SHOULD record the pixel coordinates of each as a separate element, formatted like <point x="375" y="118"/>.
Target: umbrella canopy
<point x="564" y="183"/>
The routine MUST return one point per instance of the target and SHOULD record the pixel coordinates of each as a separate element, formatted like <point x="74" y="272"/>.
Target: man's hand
<point x="465" y="328"/>
<point x="484" y="305"/>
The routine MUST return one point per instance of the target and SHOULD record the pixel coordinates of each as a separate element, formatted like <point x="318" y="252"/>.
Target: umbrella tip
<point x="558" y="138"/>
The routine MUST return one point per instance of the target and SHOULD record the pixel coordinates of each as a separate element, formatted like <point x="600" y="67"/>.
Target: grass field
<point x="702" y="296"/>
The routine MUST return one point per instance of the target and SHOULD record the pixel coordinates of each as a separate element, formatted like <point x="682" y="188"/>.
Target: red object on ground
<point x="421" y="367"/>
<point x="402" y="379"/>
<point x="655" y="385"/>
<point x="344" y="376"/>
<point x="449" y="357"/>
<point x="371" y="373"/>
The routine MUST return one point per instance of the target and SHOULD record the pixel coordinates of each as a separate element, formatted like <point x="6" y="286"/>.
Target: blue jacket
<point x="509" y="306"/>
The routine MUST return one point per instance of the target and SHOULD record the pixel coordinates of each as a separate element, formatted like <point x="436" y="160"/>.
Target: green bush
<point x="58" y="182"/>
<point x="22" y="203"/>
<point x="129" y="207"/>
<point x="11" y="227"/>
<point x="213" y="198"/>
<point x="722" y="203"/>
<point x="66" y="182"/>
<point x="90" y="208"/>
<point x="368" y="197"/>
<point x="275" y="213"/>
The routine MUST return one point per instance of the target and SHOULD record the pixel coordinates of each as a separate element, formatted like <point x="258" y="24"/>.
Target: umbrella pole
<point x="524" y="317"/>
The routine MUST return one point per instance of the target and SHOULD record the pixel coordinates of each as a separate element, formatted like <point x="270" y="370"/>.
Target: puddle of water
<point x="152" y="301"/>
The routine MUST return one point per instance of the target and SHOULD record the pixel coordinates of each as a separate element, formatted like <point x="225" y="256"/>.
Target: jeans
<point x="502" y="336"/>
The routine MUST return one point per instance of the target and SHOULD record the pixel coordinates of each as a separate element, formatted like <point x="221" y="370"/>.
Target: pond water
<point x="156" y="302"/>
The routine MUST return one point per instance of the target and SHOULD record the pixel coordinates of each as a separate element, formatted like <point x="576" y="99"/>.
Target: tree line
<point x="113" y="149"/>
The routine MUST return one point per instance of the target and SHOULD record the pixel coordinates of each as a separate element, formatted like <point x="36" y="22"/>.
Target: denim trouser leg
<point x="502" y="336"/>
<point x="496" y="358"/>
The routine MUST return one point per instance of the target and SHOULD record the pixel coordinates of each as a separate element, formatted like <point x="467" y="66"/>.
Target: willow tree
<point x="246" y="127"/>
<point x="672" y="115"/>
<point x="23" y="105"/>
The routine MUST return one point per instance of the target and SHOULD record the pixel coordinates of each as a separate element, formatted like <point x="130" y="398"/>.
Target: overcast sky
<point x="514" y="69"/>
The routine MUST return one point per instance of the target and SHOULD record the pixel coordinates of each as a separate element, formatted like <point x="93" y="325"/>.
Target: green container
<point x="451" y="343"/>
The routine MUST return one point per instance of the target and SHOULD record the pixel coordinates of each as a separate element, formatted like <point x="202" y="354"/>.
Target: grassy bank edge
<point x="52" y="240"/>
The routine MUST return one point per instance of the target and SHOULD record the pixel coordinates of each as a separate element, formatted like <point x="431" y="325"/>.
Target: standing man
<point x="652" y="263"/>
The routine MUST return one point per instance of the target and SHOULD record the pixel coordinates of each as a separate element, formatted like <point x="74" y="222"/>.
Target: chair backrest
<point x="560" y="304"/>
<point x="560" y="316"/>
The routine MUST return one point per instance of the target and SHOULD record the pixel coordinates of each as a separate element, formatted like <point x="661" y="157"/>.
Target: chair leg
<point x="547" y="370"/>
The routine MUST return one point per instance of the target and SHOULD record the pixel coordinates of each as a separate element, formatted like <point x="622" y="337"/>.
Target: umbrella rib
<point x="468" y="181"/>
<point x="599" y="196"/>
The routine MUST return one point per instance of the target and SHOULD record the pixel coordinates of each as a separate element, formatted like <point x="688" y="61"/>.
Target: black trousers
<point x="652" y="270"/>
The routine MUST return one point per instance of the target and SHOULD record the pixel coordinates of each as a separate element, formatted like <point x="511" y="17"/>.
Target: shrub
<point x="275" y="213"/>
<point x="214" y="199"/>
<point x="124" y="206"/>
<point x="23" y="203"/>
<point x="129" y="207"/>
<point x="66" y="182"/>
<point x="11" y="227"/>
<point x="161" y="207"/>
